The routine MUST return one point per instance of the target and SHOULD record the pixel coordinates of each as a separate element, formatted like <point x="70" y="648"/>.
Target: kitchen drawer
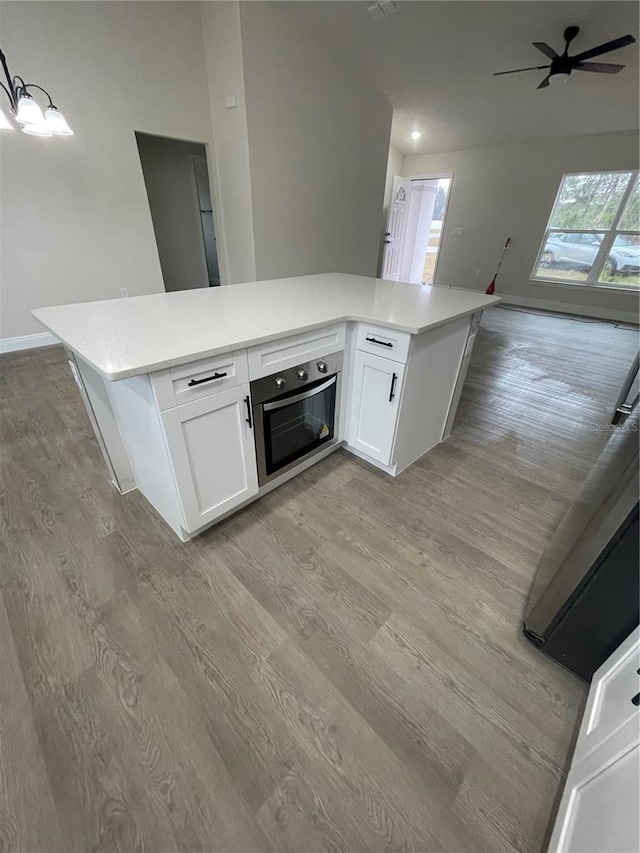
<point x="386" y="343"/>
<point x="180" y="385"/>
<point x="288" y="352"/>
<point x="612" y="698"/>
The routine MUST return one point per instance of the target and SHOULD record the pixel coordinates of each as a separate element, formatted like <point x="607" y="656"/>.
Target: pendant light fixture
<point x="26" y="111"/>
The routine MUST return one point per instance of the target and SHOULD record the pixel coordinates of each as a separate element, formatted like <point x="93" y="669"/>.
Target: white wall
<point x="74" y="216"/>
<point x="170" y="182"/>
<point x="232" y="201"/>
<point x="318" y="147"/>
<point x="509" y="190"/>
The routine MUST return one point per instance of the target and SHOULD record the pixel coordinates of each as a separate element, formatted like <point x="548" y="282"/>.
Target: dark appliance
<point x="295" y="414"/>
<point x="585" y="597"/>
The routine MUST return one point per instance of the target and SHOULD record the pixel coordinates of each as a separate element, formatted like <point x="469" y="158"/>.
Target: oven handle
<point x="280" y="404"/>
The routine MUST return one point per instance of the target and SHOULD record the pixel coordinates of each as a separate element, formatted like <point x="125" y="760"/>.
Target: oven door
<point x="294" y="427"/>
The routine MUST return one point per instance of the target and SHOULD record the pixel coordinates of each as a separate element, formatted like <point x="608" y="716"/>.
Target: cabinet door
<point x="612" y="690"/>
<point x="599" y="808"/>
<point x="213" y="454"/>
<point x="376" y="390"/>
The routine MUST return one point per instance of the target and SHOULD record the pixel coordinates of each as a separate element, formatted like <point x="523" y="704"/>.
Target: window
<point x="593" y="235"/>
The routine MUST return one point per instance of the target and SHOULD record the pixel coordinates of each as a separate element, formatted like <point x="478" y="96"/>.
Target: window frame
<point x="610" y="234"/>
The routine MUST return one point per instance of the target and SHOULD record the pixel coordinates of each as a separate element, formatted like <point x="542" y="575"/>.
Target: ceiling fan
<point x="562" y="65"/>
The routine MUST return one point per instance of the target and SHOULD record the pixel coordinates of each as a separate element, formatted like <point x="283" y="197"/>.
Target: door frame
<point x="196" y="195"/>
<point x="438" y="176"/>
<point x="212" y="169"/>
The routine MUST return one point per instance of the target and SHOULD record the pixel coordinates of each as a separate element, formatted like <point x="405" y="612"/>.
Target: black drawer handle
<point x="248" y="418"/>
<point x="636" y="700"/>
<point x="381" y="343"/>
<point x="393" y="385"/>
<point x="208" y="379"/>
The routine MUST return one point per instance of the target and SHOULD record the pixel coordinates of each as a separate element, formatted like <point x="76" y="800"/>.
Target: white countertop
<point x="127" y="337"/>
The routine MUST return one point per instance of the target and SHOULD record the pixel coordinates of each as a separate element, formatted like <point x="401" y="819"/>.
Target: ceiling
<point x="433" y="61"/>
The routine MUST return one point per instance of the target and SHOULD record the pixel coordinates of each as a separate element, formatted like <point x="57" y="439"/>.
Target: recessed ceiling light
<point x="416" y="134"/>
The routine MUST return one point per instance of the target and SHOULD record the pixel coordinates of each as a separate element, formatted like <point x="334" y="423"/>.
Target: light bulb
<point x="559" y="77"/>
<point x="56" y="122"/>
<point x="416" y="134"/>
<point x="5" y="124"/>
<point x="39" y="129"/>
<point x="28" y="111"/>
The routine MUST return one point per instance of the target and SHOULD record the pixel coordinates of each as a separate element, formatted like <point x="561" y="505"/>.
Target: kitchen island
<point x="187" y="391"/>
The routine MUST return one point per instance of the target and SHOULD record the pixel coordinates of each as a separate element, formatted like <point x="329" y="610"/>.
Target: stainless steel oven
<point x="295" y="414"/>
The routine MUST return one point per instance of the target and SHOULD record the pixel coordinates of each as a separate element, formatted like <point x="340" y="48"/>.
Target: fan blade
<point x="517" y="70"/>
<point x="604" y="48"/>
<point x="544" y="47"/>
<point x="544" y="83"/>
<point x="599" y="67"/>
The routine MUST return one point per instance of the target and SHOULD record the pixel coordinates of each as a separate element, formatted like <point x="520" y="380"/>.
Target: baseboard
<point x="571" y="308"/>
<point x="41" y="339"/>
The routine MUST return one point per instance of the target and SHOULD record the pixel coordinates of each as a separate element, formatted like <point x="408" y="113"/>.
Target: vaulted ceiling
<point x="433" y="61"/>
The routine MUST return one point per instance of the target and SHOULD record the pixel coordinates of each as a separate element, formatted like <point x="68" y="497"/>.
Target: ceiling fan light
<point x="28" y="111"/>
<point x="559" y="77"/>
<point x="5" y="124"/>
<point x="56" y="122"/>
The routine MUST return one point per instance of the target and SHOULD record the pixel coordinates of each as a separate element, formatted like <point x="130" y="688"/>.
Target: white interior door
<point x="396" y="228"/>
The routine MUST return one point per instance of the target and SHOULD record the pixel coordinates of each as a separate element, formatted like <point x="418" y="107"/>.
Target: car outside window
<point x="593" y="234"/>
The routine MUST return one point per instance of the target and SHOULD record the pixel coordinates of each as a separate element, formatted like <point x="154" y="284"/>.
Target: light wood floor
<point x="338" y="667"/>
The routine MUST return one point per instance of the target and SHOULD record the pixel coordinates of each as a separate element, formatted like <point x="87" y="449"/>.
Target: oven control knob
<point x="303" y="375"/>
<point x="280" y="382"/>
<point x="322" y="366"/>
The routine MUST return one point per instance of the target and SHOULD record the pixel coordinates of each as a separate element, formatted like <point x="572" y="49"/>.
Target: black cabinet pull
<point x="381" y="343"/>
<point x="248" y="418"/>
<point x="636" y="700"/>
<point x="208" y="379"/>
<point x="393" y="385"/>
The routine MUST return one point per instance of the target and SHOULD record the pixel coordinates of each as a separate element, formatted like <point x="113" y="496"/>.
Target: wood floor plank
<point x="337" y="667"/>
<point x="23" y="777"/>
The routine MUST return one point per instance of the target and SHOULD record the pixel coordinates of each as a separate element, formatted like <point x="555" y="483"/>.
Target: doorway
<point x="414" y="229"/>
<point x="176" y="178"/>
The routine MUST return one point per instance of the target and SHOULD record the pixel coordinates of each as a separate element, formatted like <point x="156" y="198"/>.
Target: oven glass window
<point x="297" y="428"/>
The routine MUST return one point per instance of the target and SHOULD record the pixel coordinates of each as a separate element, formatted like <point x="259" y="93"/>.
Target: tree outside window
<point x="593" y="235"/>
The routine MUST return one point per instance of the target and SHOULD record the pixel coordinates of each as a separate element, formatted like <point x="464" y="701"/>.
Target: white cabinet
<point x="393" y="430"/>
<point x="211" y="446"/>
<point x="600" y="804"/>
<point x="375" y="397"/>
<point x="610" y="703"/>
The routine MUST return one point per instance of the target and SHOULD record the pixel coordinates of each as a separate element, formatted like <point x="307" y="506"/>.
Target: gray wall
<point x="75" y="223"/>
<point x="231" y="179"/>
<point x="169" y="179"/>
<point x="318" y="147"/>
<point x="509" y="190"/>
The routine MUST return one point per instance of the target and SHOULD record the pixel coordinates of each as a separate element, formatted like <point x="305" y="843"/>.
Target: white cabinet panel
<point x="599" y="808"/>
<point x="212" y="448"/>
<point x="176" y="386"/>
<point x="598" y="812"/>
<point x="375" y="398"/>
<point x="609" y="705"/>
<point x="288" y="352"/>
<point x="387" y="343"/>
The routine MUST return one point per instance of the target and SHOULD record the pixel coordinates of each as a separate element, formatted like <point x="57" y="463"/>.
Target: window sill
<point x="620" y="288"/>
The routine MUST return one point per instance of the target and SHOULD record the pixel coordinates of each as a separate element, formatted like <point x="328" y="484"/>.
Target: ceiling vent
<point x="382" y="9"/>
